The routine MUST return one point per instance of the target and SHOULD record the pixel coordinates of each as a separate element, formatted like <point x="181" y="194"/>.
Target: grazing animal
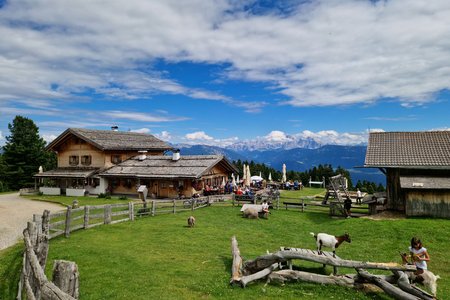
<point x="191" y="221"/>
<point x="429" y="280"/>
<point x="250" y="213"/>
<point x="326" y="240"/>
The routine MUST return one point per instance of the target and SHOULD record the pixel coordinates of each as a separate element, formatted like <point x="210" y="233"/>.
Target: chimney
<point x="142" y="155"/>
<point x="115" y="128"/>
<point x="176" y="155"/>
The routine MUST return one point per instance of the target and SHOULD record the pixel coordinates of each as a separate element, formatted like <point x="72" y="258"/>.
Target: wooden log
<point x="388" y="288"/>
<point x="267" y="260"/>
<point x="258" y="275"/>
<point x="66" y="277"/>
<point x="291" y="275"/>
<point x="68" y="219"/>
<point x="107" y="214"/>
<point x="236" y="267"/>
<point x="403" y="283"/>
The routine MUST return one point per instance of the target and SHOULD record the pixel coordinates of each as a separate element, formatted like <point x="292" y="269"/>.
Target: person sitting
<point x="239" y="191"/>
<point x="265" y="208"/>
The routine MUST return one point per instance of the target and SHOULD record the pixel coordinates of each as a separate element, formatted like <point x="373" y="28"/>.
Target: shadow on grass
<point x="10" y="271"/>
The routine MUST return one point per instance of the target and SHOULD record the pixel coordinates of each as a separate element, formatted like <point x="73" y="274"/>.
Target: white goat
<point x="429" y="280"/>
<point x="326" y="240"/>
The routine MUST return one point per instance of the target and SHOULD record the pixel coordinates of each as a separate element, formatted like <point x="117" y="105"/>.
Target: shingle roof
<point x="68" y="172"/>
<point x="409" y="149"/>
<point x="188" y="166"/>
<point x="114" y="140"/>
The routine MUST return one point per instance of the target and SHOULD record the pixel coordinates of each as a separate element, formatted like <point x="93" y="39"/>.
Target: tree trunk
<point x="387" y="287"/>
<point x="258" y="275"/>
<point x="66" y="277"/>
<point x="403" y="283"/>
<point x="291" y="275"/>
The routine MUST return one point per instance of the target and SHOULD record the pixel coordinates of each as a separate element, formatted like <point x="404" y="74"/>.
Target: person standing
<point x="358" y="196"/>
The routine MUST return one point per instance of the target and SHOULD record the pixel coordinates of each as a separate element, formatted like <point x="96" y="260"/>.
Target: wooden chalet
<point x="417" y="169"/>
<point x="84" y="153"/>
<point x="169" y="176"/>
<point x="100" y="161"/>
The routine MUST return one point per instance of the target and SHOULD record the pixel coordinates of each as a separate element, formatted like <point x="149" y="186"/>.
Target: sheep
<point x="429" y="280"/>
<point x="323" y="239"/>
<point x="191" y="221"/>
<point x="251" y="213"/>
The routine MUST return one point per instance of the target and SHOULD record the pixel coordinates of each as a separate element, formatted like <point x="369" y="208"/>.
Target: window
<point x="73" y="160"/>
<point x="86" y="160"/>
<point x="116" y="159"/>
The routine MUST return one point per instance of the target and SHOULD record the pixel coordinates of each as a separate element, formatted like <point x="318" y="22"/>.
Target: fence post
<point x="66" y="277"/>
<point x="153" y="208"/>
<point x="233" y="198"/>
<point x="86" y="217"/>
<point x="194" y="201"/>
<point x="303" y="205"/>
<point x="131" y="211"/>
<point x="107" y="214"/>
<point x="68" y="219"/>
<point x="174" y="206"/>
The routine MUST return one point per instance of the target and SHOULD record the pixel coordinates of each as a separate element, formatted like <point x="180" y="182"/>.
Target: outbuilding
<point x="417" y="169"/>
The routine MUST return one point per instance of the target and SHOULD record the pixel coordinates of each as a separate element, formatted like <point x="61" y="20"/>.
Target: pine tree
<point x="24" y="152"/>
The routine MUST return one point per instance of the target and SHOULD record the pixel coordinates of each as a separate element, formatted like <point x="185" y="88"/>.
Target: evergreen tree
<point x="24" y="152"/>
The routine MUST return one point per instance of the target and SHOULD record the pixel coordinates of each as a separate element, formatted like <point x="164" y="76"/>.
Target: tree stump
<point x="66" y="277"/>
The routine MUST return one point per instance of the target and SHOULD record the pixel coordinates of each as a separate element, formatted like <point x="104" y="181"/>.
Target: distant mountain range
<point x="297" y="159"/>
<point x="289" y="142"/>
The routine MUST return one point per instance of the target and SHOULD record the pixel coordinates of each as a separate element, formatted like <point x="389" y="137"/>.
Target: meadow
<point x="161" y="258"/>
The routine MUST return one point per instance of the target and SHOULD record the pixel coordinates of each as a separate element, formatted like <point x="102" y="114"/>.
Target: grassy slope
<point x="160" y="258"/>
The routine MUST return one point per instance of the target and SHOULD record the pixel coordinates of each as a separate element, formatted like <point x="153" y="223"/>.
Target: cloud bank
<point x="317" y="53"/>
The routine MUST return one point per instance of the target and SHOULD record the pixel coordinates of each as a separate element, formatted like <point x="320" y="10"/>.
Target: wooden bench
<point x="302" y="205"/>
<point x="244" y="198"/>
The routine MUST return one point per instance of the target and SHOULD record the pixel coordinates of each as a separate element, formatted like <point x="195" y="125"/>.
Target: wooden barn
<point x="170" y="176"/>
<point x="417" y="169"/>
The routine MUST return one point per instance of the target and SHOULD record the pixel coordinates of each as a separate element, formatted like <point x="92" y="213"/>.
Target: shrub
<point x="123" y="198"/>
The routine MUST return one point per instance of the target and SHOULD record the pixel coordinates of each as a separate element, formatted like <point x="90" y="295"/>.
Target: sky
<point x="219" y="72"/>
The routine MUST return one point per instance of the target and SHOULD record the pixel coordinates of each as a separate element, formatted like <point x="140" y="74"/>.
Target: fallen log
<point x="403" y="283"/>
<point x="291" y="275"/>
<point x="388" y="288"/>
<point x="258" y="275"/>
<point x="267" y="260"/>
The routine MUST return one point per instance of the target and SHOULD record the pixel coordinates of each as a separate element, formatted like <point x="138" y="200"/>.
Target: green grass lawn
<point x="82" y="201"/>
<point x="160" y="258"/>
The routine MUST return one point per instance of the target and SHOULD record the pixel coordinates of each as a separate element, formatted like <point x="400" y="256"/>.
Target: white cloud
<point x="333" y="137"/>
<point x="49" y="137"/>
<point x="164" y="135"/>
<point x="277" y="136"/>
<point x="142" y="117"/>
<point x="198" y="135"/>
<point x="322" y="53"/>
<point x="141" y="130"/>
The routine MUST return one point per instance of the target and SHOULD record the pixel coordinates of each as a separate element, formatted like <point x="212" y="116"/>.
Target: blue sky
<point x="219" y="72"/>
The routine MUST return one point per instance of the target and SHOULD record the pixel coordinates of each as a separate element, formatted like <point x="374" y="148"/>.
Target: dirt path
<point x="15" y="212"/>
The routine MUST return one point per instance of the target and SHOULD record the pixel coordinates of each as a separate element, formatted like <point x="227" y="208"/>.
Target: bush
<point x="104" y="195"/>
<point x="123" y="198"/>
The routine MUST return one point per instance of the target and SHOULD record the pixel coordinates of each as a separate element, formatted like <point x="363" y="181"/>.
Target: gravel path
<point x="15" y="212"/>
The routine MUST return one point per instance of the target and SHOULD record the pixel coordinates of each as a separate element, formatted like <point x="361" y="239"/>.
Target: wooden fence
<point x="33" y="282"/>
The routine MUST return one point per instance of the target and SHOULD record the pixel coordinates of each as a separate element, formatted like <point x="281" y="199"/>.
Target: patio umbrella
<point x="248" y="179"/>
<point x="256" y="178"/>
<point x="270" y="176"/>
<point x="237" y="179"/>
<point x="41" y="170"/>
<point x="260" y="174"/>
<point x="284" y="174"/>
<point x="223" y="181"/>
<point x="244" y="172"/>
<point x="233" y="180"/>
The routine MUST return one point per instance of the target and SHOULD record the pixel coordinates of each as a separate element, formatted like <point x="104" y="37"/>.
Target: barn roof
<point x="112" y="140"/>
<point x="188" y="166"/>
<point x="426" y="149"/>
